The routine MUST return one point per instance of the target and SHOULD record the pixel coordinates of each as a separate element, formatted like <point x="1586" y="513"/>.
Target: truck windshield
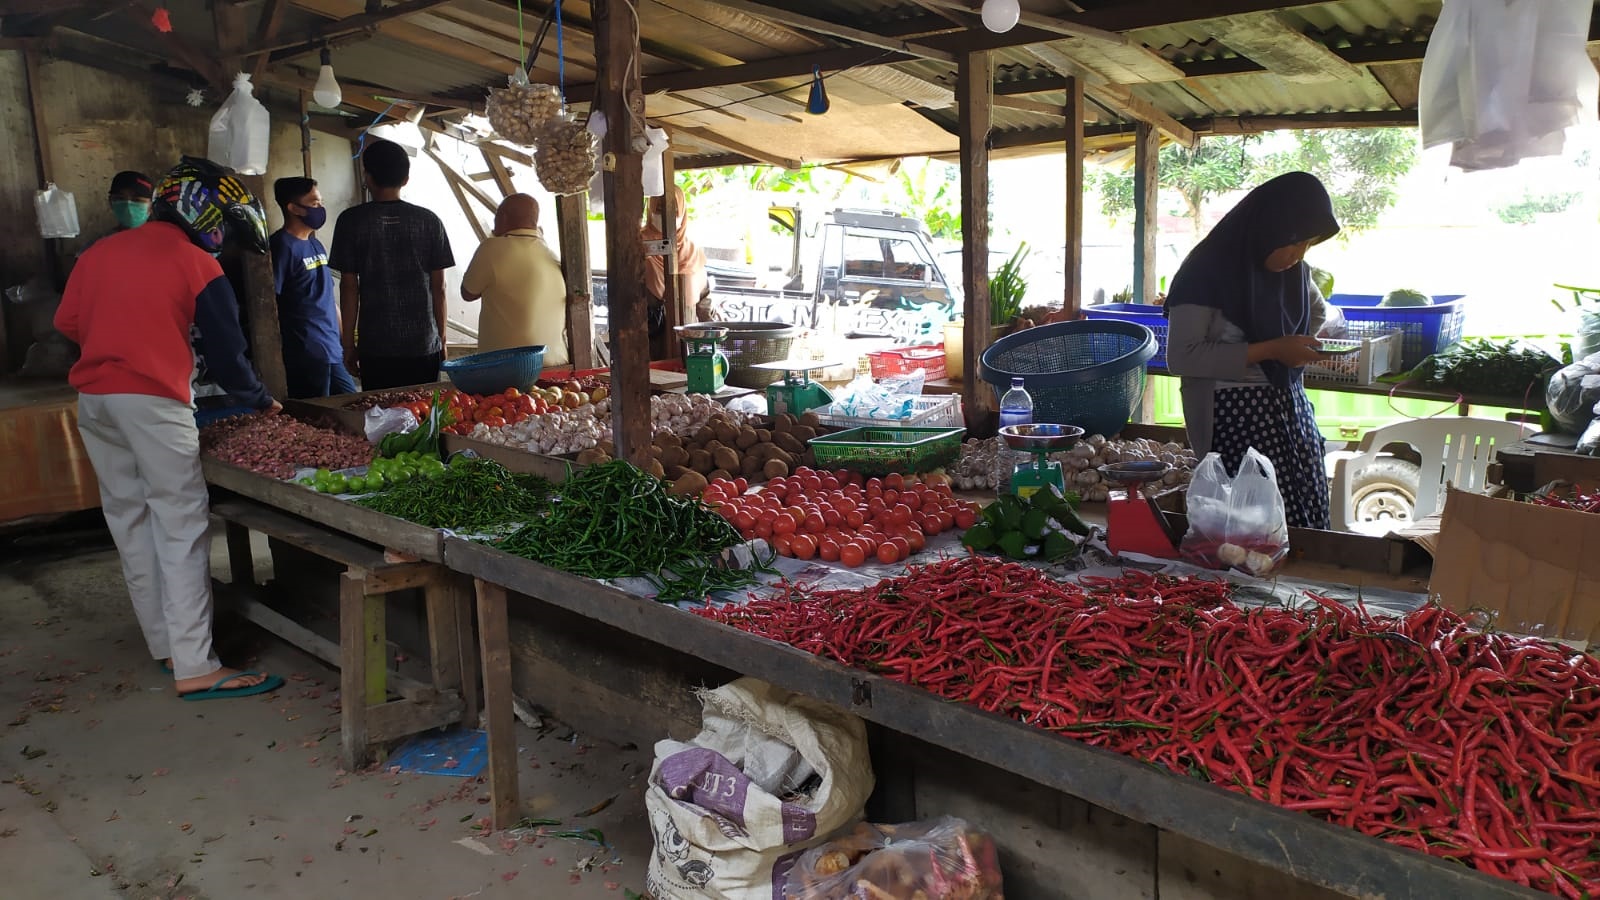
<point x="881" y="254"/>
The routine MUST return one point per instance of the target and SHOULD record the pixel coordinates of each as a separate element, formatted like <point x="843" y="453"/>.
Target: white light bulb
<point x="327" y="93"/>
<point x="1000" y="16"/>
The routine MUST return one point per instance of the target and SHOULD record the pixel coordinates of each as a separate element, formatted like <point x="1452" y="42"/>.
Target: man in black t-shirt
<point x="391" y="256"/>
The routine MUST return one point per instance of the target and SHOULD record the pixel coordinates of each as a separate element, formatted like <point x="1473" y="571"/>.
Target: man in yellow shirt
<point x="519" y="280"/>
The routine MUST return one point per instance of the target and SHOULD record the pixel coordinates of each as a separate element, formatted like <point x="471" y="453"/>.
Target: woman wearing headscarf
<point x="1243" y="317"/>
<point x="691" y="261"/>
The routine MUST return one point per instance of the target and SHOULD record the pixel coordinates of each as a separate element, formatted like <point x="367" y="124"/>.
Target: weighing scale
<point x="1134" y="523"/>
<point x="703" y="359"/>
<point x="1041" y="440"/>
<point x="795" y="392"/>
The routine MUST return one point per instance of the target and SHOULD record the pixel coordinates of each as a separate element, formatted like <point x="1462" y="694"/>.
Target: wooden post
<point x="572" y="229"/>
<point x="353" y="670"/>
<point x="261" y="305"/>
<point x="620" y="97"/>
<point x="1146" y="209"/>
<point x="975" y="96"/>
<point x="673" y="300"/>
<point x="46" y="170"/>
<point x="1072" y="260"/>
<point x="494" y="632"/>
<point x="305" y="133"/>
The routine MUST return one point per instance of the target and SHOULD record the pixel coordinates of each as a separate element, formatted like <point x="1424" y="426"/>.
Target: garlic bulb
<point x="565" y="160"/>
<point x="518" y="111"/>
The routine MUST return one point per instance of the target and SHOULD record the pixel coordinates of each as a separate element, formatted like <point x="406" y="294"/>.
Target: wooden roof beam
<point x="833" y="29"/>
<point x="716" y="140"/>
<point x="350" y="25"/>
<point x="1116" y="97"/>
<point x="1272" y="42"/>
<point x="1034" y="20"/>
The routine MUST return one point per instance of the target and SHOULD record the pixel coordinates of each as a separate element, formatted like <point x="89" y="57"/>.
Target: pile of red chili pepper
<point x="1578" y="500"/>
<point x="1420" y="730"/>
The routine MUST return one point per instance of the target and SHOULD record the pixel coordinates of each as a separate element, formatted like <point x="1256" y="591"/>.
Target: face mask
<point x="314" y="216"/>
<point x="130" y="213"/>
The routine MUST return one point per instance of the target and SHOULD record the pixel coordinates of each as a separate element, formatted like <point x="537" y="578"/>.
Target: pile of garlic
<point x="554" y="433"/>
<point x="684" y="414"/>
<point x="987" y="464"/>
<point x="519" y="111"/>
<point x="565" y="160"/>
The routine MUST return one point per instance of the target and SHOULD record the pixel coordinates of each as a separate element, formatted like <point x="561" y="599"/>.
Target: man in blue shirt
<point x="308" y="313"/>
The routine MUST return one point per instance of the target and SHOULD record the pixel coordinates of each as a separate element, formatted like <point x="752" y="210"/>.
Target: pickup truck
<point x="874" y="274"/>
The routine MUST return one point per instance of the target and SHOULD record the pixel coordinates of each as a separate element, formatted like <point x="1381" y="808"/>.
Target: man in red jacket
<point x="129" y="305"/>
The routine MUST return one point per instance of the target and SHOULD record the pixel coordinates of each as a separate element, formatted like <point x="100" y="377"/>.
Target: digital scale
<point x="1041" y="440"/>
<point x="703" y="359"/>
<point x="1134" y="522"/>
<point x="795" y="392"/>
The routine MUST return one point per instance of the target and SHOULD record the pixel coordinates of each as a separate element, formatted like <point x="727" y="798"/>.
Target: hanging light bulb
<point x="818" y="103"/>
<point x="1000" y="16"/>
<point x="327" y="93"/>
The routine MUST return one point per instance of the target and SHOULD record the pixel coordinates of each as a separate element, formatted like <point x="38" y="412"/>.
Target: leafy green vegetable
<point x="1405" y="297"/>
<point x="1487" y="368"/>
<point x="1006" y="289"/>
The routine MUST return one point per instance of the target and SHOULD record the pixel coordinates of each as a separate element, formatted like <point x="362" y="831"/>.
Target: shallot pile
<point x="277" y="446"/>
<point x="987" y="464"/>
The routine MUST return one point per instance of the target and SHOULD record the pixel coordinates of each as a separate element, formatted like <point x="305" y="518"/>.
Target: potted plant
<point x="1006" y="290"/>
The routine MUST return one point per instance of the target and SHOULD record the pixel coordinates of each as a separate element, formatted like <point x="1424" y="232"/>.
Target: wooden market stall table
<point x="1301" y="850"/>
<point x="47" y="470"/>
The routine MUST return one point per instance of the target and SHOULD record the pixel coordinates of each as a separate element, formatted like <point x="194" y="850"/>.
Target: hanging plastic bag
<point x="941" y="859"/>
<point x="58" y="212"/>
<point x="597" y="192"/>
<point x="1237" y="522"/>
<point x="655" y="176"/>
<point x="566" y="158"/>
<point x="1590" y="441"/>
<point x="240" y="131"/>
<point x="519" y="110"/>
<point x="1572" y="394"/>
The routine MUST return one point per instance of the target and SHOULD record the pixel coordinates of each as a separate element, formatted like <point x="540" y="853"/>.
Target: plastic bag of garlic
<point x="520" y="110"/>
<point x="987" y="464"/>
<point x="566" y="157"/>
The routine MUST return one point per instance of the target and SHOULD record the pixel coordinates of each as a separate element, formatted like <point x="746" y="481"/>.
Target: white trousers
<point x="146" y="456"/>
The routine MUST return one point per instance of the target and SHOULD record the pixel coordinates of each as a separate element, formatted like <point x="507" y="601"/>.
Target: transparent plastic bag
<point x="1334" y="325"/>
<point x="566" y="158"/>
<point x="655" y="176"/>
<point x="240" y="131"/>
<point x="519" y="110"/>
<point x="941" y="859"/>
<point x="381" y="422"/>
<point x="1237" y="522"/>
<point x="58" y="212"/>
<point x="1572" y="394"/>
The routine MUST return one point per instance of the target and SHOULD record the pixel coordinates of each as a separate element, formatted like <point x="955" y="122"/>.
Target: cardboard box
<point x="1536" y="568"/>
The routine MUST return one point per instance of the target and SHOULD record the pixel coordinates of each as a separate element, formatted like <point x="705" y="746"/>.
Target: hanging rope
<point x="522" y="49"/>
<point x="561" y="57"/>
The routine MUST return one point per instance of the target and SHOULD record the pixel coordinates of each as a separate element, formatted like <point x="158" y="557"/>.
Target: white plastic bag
<point x="719" y="833"/>
<point x="597" y="194"/>
<point x="58" y="212"/>
<point x="1237" y="522"/>
<point x="655" y="176"/>
<point x="240" y="131"/>
<point x="380" y="423"/>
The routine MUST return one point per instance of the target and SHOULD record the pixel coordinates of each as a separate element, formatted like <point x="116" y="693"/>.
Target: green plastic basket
<point x="879" y="450"/>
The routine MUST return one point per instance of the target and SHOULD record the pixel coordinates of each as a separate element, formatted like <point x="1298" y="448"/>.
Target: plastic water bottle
<point x="1016" y="407"/>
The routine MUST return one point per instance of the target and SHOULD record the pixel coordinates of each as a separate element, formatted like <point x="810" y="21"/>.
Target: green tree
<point x="1216" y="166"/>
<point x="932" y="191"/>
<point x="1527" y="210"/>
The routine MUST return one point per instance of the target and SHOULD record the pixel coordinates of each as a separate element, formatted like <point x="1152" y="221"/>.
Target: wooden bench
<point x="368" y="717"/>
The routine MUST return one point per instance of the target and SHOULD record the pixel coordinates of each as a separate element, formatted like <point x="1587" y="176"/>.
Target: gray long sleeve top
<point x="1209" y="352"/>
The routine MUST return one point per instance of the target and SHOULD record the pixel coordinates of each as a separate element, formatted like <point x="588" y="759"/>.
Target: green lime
<point x="323" y="475"/>
<point x="323" y="487"/>
<point x="338" y="484"/>
<point x="357" y="485"/>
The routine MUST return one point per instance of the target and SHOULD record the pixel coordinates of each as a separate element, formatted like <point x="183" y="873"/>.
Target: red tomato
<point x="894" y="480"/>
<point x="846" y="476"/>
<point x="777" y="484"/>
<point x="891" y="496"/>
<point x="743" y="521"/>
<point x="854" y="519"/>
<point x="815" y="525"/>
<point x="763" y="529"/>
<point x="902" y="545"/>
<point x="804" y="546"/>
<point x="888" y="553"/>
<point x="781" y="544"/>
<point x="965" y="519"/>
<point x="830" y="483"/>
<point x="765" y="517"/>
<point x="833" y="517"/>
<point x="914" y="539"/>
<point x="876" y="507"/>
<point x="741" y="485"/>
<point x="784" y="523"/>
<point x="901" y="514"/>
<point x="946" y="520"/>
<point x="494" y="421"/>
<point x="930" y="524"/>
<point x="852" y="555"/>
<point x="828" y="550"/>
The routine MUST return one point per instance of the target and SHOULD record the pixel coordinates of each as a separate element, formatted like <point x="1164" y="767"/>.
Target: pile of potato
<point x="724" y="448"/>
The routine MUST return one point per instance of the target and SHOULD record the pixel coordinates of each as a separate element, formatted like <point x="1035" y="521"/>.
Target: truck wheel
<point x="1385" y="490"/>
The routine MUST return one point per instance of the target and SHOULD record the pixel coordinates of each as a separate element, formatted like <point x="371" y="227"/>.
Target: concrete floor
<point x="114" y="788"/>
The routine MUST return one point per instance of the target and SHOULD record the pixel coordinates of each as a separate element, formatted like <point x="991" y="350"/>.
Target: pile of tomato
<point x="839" y="516"/>
<point x="466" y="410"/>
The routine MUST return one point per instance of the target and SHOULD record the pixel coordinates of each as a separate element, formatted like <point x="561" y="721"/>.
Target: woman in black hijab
<point x="1243" y="317"/>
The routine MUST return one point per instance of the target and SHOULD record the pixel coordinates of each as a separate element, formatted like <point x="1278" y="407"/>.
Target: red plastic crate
<point x="905" y="360"/>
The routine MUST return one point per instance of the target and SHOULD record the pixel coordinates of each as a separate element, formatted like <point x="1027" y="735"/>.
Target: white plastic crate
<point x="926" y="412"/>
<point x="1379" y="356"/>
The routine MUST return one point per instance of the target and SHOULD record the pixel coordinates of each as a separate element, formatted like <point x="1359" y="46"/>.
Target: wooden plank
<point x="617" y="31"/>
<point x="241" y="561"/>
<point x="459" y="591"/>
<point x="833" y="29"/>
<point x="271" y="21"/>
<point x="572" y="229"/>
<point x="308" y="536"/>
<point x="668" y="346"/>
<point x="260" y="301"/>
<point x="1072" y="263"/>
<point x="353" y="671"/>
<point x="756" y="71"/>
<point x="499" y="172"/>
<point x="553" y="468"/>
<point x="1189" y="870"/>
<point x="402" y="718"/>
<point x="402" y="577"/>
<point x="1118" y="98"/>
<point x="733" y="145"/>
<point x="444" y="633"/>
<point x="1284" y="51"/>
<point x="1147" y="210"/>
<point x="974" y="89"/>
<point x="495" y="638"/>
<point x="1315" y="852"/>
<point x="1042" y="23"/>
<point x="314" y="39"/>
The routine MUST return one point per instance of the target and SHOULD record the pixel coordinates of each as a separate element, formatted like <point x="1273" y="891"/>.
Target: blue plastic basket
<point x="493" y="372"/>
<point x="1149" y="316"/>
<point x="1427" y="329"/>
<point x="1089" y="373"/>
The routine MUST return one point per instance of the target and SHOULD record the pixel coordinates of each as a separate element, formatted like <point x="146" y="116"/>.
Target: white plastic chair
<point x="1455" y="450"/>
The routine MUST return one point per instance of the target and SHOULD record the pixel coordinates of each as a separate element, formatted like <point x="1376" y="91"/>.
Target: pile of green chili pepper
<point x="614" y="521"/>
<point x="470" y="495"/>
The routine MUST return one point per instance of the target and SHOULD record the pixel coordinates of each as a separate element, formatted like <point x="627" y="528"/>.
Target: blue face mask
<point x="130" y="213"/>
<point x="314" y="216"/>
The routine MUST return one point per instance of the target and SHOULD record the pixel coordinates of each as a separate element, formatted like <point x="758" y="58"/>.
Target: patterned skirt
<point x="1281" y="425"/>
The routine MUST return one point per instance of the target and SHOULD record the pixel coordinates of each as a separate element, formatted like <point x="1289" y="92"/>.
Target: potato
<point x="676" y="472"/>
<point x="668" y="439"/>
<point x="804" y="432"/>
<point x="700" y="461"/>
<point x="592" y="456"/>
<point x="700" y="436"/>
<point x="810" y="419"/>
<point x="692" y="484"/>
<point x="714" y="445"/>
<point x="719" y="475"/>
<point x="674" y="456"/>
<point x="782" y="424"/>
<point x="725" y="458"/>
<point x="751" y="465"/>
<point x="746" y="438"/>
<point x="655" y="468"/>
<point x="774" y="468"/>
<point x="763" y="435"/>
<point x="788" y="441"/>
<point x="655" y="451"/>
<point x="608" y="448"/>
<point x="726" y="433"/>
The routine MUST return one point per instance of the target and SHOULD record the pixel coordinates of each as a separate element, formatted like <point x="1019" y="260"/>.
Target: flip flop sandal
<point x="218" y="692"/>
<point x="166" y="668"/>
